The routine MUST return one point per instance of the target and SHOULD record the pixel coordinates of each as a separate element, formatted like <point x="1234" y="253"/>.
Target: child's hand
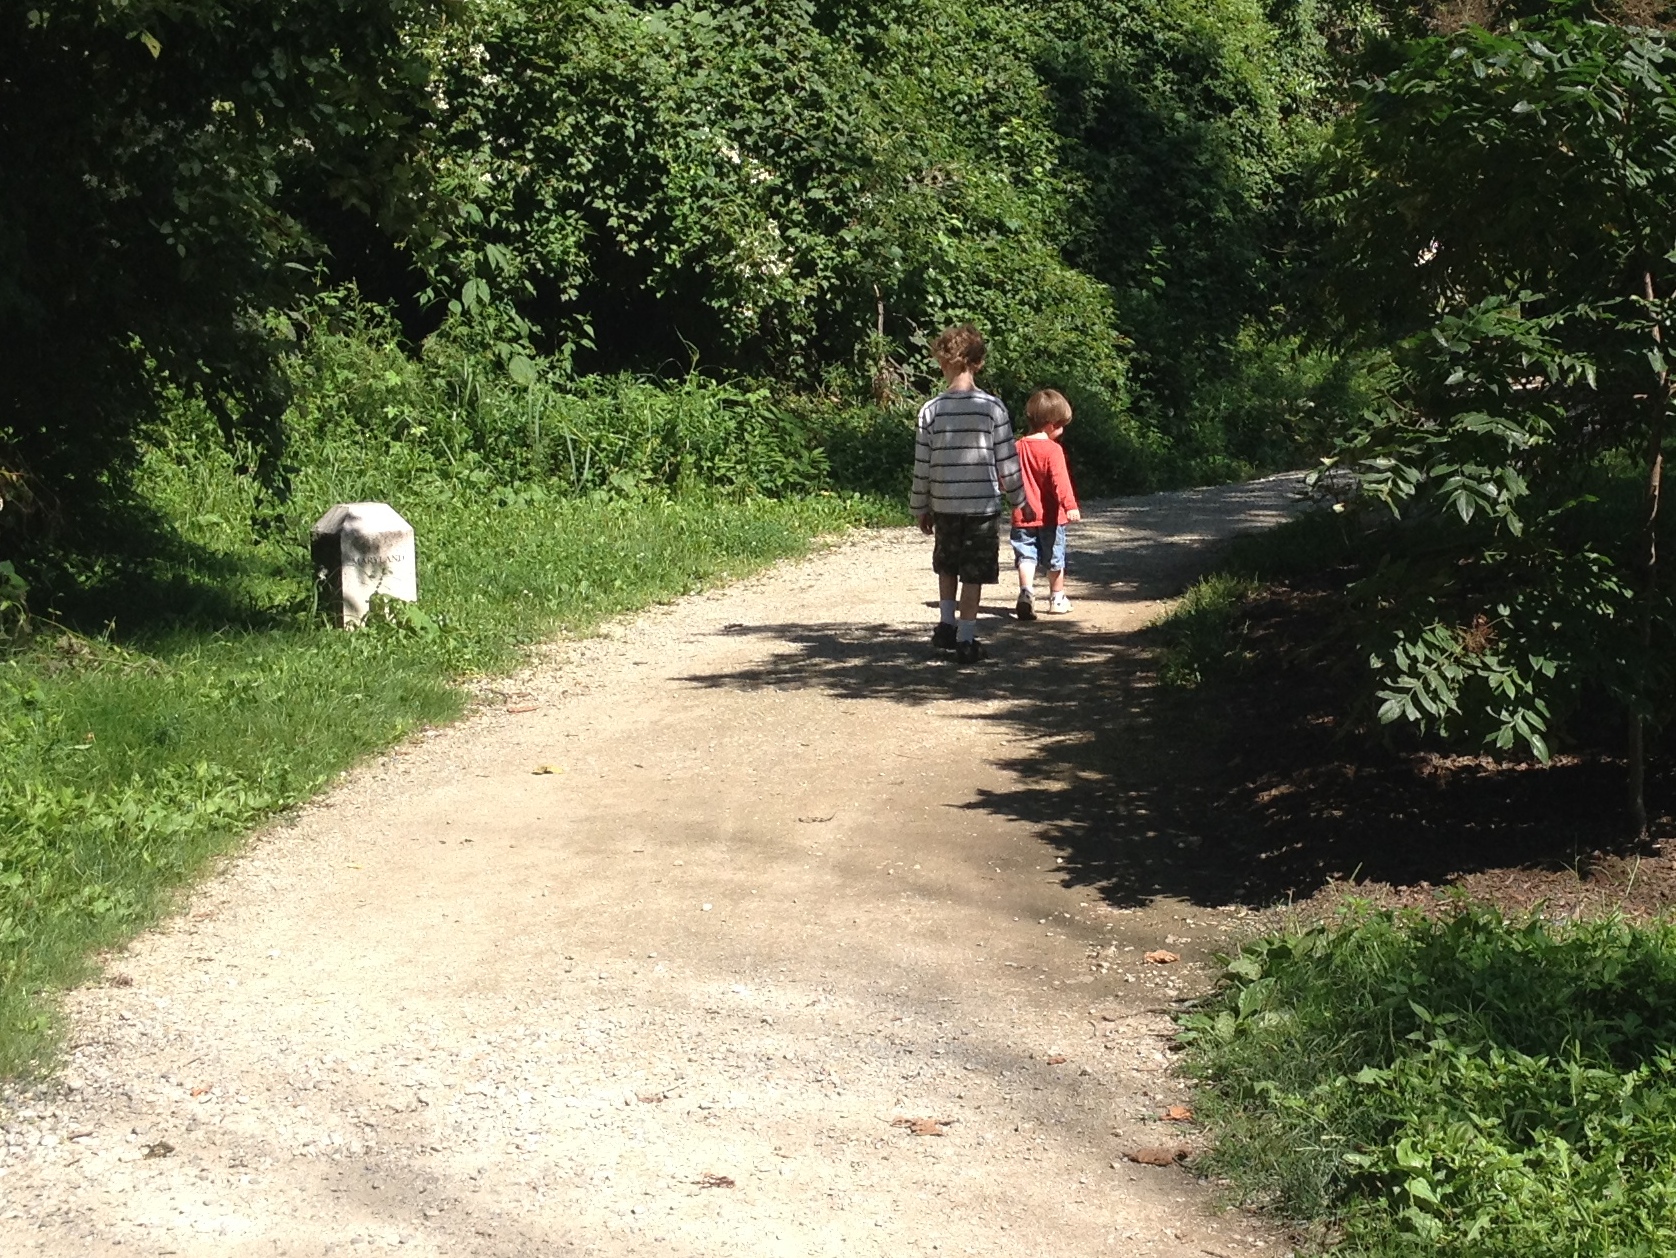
<point x="925" y="522"/>
<point x="1075" y="517"/>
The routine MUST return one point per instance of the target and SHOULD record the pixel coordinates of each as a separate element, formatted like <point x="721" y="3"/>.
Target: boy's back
<point x="964" y="456"/>
<point x="1048" y="495"/>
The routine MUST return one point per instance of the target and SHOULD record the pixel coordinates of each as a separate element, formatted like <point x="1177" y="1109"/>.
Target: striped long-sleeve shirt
<point x="964" y="457"/>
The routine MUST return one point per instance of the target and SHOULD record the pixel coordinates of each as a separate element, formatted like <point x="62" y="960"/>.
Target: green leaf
<point x="1246" y="966"/>
<point x="1422" y="1189"/>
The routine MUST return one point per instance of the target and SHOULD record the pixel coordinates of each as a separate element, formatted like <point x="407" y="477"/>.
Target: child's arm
<point x="1009" y="472"/>
<point x="919" y="497"/>
<point x="1062" y="491"/>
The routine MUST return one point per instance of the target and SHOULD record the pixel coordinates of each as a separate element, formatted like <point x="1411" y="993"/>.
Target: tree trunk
<point x="1637" y="756"/>
<point x="1636" y="751"/>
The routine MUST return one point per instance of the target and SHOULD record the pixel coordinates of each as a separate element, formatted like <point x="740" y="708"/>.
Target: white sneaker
<point x="1059" y="604"/>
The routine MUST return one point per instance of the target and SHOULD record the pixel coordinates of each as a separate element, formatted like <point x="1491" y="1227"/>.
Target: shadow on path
<point x="1239" y="793"/>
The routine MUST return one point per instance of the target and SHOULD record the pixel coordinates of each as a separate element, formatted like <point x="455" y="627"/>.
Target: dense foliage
<point x="803" y="191"/>
<point x="159" y="160"/>
<point x="787" y="192"/>
<point x="1506" y="225"/>
<point x="1470" y="1086"/>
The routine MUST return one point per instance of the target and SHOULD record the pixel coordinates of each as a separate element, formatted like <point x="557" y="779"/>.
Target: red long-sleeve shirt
<point x="1048" y="496"/>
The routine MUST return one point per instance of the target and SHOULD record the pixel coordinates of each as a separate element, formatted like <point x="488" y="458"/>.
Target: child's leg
<point x="1056" y="571"/>
<point x="978" y="564"/>
<point x="947" y="583"/>
<point x="971" y="594"/>
<point x="1024" y="558"/>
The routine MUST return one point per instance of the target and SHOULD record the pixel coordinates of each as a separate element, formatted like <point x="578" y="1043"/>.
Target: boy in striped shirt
<point x="965" y="464"/>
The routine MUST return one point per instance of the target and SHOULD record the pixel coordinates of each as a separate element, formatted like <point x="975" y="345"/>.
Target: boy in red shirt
<point x="1049" y="503"/>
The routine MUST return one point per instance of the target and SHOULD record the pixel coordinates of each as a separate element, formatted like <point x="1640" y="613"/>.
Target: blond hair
<point x="1045" y="408"/>
<point x="963" y="345"/>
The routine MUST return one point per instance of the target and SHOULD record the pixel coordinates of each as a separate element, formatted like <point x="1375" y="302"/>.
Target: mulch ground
<point x="1299" y="801"/>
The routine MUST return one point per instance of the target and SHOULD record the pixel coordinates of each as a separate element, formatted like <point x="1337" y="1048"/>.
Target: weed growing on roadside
<point x="1202" y="633"/>
<point x="1472" y="1086"/>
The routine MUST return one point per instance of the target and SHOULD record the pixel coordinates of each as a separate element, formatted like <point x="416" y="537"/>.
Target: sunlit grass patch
<point x="1202" y="634"/>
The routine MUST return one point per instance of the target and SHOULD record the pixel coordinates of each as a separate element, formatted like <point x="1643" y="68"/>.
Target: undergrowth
<point x="1471" y="1085"/>
<point x="1201" y="633"/>
<point x="1207" y="634"/>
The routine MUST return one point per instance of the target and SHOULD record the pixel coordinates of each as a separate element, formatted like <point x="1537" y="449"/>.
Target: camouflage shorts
<point x="968" y="547"/>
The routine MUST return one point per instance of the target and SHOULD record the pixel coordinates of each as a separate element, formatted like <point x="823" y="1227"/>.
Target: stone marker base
<point x="361" y="549"/>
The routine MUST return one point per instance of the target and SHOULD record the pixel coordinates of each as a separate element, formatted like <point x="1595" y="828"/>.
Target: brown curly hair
<point x="963" y="345"/>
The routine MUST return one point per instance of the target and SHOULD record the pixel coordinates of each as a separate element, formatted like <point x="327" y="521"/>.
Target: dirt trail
<point x="790" y="882"/>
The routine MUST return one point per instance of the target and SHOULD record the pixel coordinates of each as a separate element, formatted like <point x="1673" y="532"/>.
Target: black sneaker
<point x="942" y="637"/>
<point x="1026" y="609"/>
<point x="969" y="652"/>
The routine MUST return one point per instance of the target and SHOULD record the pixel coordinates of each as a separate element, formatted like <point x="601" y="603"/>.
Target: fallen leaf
<point x="816" y="820"/>
<point x="200" y="1089"/>
<point x="712" y="1180"/>
<point x="651" y="1098"/>
<point x="1161" y="957"/>
<point x="1056" y="1060"/>
<point x="924" y="1126"/>
<point x="121" y="980"/>
<point x="159" y="1149"/>
<point x="1160" y="1155"/>
<point x="546" y="768"/>
<point x="1179" y="1114"/>
<point x="527" y="707"/>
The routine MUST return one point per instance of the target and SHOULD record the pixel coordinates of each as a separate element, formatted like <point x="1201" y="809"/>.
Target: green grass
<point x="1201" y="635"/>
<point x="1471" y="1086"/>
<point x="130" y="758"/>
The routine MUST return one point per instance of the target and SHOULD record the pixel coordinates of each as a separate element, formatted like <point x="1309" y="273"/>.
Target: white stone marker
<point x="361" y="549"/>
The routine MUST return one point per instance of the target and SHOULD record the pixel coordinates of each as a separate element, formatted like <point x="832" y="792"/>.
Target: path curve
<point x="674" y="997"/>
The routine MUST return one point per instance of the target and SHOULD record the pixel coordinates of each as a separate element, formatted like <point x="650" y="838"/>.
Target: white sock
<point x="968" y="631"/>
<point x="1027" y="579"/>
<point x="946" y="608"/>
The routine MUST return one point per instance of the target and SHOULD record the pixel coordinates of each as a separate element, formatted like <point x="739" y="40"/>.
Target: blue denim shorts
<point x="1028" y="544"/>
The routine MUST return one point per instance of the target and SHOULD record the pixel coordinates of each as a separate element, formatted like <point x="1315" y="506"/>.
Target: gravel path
<point x="675" y="995"/>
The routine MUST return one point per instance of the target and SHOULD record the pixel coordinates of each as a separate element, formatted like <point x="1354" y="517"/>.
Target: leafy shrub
<point x="802" y="192"/>
<point x="1468" y="1085"/>
<point x="164" y="161"/>
<point x="457" y="409"/>
<point x="1528" y="304"/>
